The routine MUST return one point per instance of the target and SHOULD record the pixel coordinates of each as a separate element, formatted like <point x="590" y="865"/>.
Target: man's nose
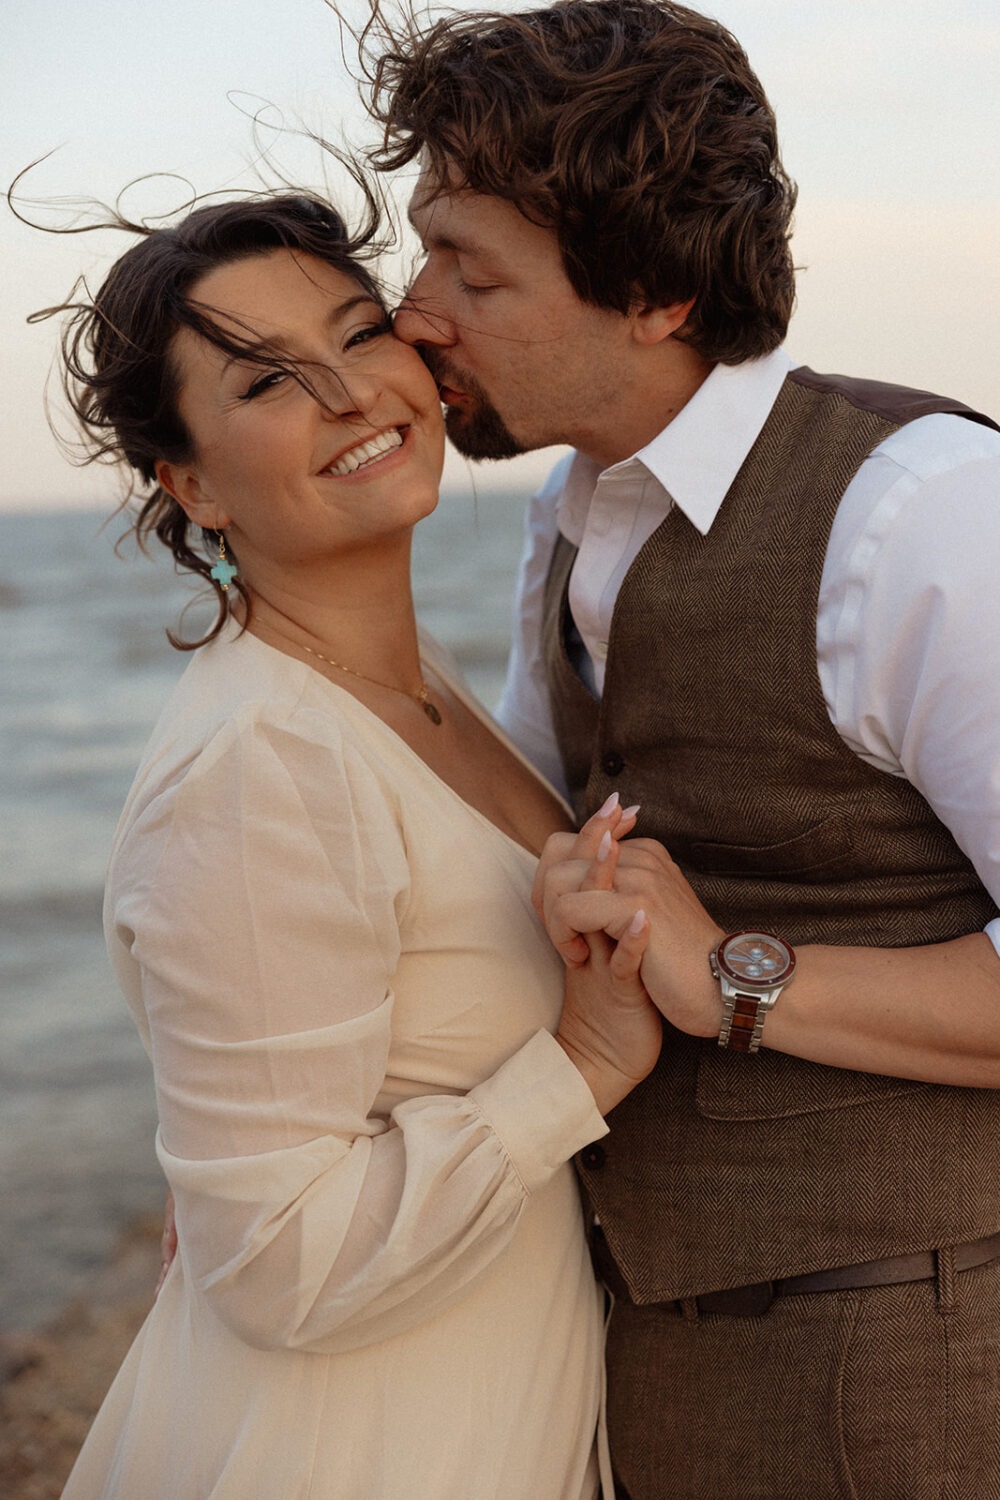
<point x="419" y="319"/>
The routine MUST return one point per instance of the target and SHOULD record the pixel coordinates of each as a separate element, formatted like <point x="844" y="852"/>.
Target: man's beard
<point x="475" y="428"/>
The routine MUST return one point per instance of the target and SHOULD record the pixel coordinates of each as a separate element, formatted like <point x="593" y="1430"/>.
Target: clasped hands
<point x="635" y="940"/>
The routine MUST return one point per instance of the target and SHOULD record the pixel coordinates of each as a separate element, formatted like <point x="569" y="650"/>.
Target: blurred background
<point x="889" y="122"/>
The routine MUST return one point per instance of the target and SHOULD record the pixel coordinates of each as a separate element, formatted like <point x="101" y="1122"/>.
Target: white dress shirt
<point x="908" y="623"/>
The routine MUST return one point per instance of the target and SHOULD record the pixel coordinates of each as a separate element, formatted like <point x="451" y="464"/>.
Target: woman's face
<point x="291" y="478"/>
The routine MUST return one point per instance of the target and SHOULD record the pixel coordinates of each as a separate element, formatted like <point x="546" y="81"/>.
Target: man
<point x="752" y="602"/>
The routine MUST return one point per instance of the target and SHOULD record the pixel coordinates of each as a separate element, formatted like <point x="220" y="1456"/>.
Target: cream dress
<point x="382" y="1290"/>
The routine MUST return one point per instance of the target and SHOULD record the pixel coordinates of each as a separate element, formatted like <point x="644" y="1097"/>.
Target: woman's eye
<point x="265" y="382"/>
<point x="473" y="290"/>
<point x="369" y="332"/>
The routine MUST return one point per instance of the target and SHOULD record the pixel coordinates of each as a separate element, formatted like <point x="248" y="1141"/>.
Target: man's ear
<point x="182" y="483"/>
<point x="651" y="325"/>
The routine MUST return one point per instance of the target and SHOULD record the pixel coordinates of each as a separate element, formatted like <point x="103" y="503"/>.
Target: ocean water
<point x="86" y="668"/>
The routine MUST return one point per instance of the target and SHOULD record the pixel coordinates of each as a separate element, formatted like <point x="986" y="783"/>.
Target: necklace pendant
<point x="431" y="712"/>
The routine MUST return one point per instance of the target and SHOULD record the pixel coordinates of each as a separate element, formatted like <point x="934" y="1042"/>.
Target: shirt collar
<point x="697" y="455"/>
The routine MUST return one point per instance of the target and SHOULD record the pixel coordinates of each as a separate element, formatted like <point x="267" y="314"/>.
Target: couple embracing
<point x="391" y="997"/>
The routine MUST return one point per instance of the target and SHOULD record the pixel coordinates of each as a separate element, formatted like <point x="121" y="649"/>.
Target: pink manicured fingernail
<point x="609" y="806"/>
<point x="604" y="847"/>
<point x="637" y="923"/>
<point x="630" y="812"/>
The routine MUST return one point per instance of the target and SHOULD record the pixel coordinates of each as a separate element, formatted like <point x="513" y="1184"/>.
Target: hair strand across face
<point x="118" y="372"/>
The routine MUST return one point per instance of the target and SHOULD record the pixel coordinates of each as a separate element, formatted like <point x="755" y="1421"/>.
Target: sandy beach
<point x="53" y="1380"/>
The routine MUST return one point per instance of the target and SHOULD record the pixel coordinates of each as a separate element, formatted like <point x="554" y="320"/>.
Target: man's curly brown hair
<point x="635" y="129"/>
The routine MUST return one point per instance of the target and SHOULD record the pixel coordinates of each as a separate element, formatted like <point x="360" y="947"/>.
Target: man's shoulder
<point x="900" y="404"/>
<point x="940" y="444"/>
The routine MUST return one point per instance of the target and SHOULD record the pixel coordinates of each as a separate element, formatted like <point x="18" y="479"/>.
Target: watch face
<point x="758" y="959"/>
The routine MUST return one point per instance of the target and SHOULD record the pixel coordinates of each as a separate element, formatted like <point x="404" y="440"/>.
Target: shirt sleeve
<point x="262" y="899"/>
<point x="523" y="710"/>
<point x="908" y="629"/>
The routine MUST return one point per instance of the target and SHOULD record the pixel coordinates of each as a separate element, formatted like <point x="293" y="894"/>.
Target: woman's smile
<point x="369" y="451"/>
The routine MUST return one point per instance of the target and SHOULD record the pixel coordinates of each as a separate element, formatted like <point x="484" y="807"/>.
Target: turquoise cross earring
<point x="224" y="571"/>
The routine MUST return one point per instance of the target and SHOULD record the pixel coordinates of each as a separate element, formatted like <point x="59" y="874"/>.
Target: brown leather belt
<point x="754" y="1300"/>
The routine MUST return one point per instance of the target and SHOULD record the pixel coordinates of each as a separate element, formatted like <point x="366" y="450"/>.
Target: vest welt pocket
<point x="772" y="1086"/>
<point x="824" y="850"/>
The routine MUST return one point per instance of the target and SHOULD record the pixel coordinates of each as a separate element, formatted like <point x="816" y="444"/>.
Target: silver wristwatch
<point x="752" y="969"/>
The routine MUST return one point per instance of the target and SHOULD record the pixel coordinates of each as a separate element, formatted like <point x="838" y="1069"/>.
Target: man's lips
<point x="450" y="396"/>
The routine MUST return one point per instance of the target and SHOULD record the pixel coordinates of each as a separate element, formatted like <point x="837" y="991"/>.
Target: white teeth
<point x="355" y="458"/>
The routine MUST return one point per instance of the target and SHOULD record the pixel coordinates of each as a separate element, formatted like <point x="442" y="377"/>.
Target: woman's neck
<point x="356" y="612"/>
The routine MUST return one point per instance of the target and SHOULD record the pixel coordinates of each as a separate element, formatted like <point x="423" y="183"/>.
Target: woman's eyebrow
<point x="277" y="345"/>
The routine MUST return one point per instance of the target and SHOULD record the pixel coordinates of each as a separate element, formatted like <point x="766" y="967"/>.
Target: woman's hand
<point x="573" y="904"/>
<point x="566" y="863"/>
<point x="609" y="1028"/>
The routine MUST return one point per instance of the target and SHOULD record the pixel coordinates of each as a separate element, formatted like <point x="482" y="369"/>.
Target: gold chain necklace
<point x="423" y="697"/>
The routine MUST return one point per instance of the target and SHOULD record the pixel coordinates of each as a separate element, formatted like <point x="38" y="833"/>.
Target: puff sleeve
<point x="258" y="902"/>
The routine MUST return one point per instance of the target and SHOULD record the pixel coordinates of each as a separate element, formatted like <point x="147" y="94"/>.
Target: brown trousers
<point x="885" y="1393"/>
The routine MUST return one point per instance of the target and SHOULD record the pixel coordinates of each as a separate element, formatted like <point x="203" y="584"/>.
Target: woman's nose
<point x="341" y="393"/>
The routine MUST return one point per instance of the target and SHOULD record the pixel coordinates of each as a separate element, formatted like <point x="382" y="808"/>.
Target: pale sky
<point x="889" y="116"/>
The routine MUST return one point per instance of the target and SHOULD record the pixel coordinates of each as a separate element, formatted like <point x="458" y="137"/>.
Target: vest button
<point x="612" y="763"/>
<point x="593" y="1157"/>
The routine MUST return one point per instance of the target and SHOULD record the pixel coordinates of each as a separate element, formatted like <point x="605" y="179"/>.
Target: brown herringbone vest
<point x="722" y="1169"/>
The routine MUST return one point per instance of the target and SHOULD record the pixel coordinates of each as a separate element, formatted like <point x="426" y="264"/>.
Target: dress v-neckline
<point x="433" y="653"/>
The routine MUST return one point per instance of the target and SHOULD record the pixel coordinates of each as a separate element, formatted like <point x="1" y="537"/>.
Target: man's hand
<point x="675" y="967"/>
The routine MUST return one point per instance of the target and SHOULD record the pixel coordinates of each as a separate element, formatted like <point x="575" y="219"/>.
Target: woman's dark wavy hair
<point x="635" y="129"/>
<point x="118" y="373"/>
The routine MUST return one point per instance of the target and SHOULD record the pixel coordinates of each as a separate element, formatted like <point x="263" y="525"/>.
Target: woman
<point x="319" y="910"/>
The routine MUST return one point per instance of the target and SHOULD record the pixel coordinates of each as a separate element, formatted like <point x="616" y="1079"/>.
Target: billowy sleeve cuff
<point x="540" y="1108"/>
